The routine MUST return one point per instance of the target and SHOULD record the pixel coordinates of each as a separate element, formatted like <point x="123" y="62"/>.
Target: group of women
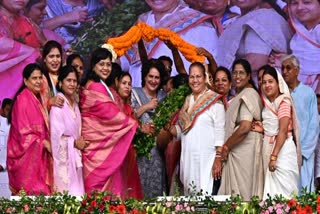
<point x="52" y="147"/>
<point x="252" y="148"/>
<point x="60" y="141"/>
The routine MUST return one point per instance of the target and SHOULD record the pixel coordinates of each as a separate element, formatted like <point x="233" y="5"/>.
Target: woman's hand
<point x="56" y="101"/>
<point x="275" y="59"/>
<point x="80" y="143"/>
<point x="152" y="104"/>
<point x="47" y="145"/>
<point x="77" y="15"/>
<point x="169" y="44"/>
<point x="272" y="165"/>
<point x="108" y="3"/>
<point x="203" y="52"/>
<point x="217" y="168"/>
<point x="147" y="128"/>
<point x="224" y="153"/>
<point x="173" y="131"/>
<point x="257" y="126"/>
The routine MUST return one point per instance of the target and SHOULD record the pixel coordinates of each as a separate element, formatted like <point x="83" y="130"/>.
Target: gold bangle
<point x="273" y="157"/>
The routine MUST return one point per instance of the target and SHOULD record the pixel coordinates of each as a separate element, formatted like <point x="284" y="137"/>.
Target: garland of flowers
<point x="105" y="202"/>
<point x="143" y="143"/>
<point x="141" y="30"/>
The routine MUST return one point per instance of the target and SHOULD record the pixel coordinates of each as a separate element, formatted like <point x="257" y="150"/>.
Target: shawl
<point x="188" y="118"/>
<point x="29" y="162"/>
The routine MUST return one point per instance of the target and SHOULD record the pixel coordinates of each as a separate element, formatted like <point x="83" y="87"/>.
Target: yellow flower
<point x="110" y="48"/>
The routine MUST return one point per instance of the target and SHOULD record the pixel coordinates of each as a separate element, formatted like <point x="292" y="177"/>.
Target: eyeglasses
<point x="240" y="73"/>
<point x="286" y="67"/>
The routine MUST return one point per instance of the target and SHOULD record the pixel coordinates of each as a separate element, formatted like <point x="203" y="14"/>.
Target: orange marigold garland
<point x="141" y="30"/>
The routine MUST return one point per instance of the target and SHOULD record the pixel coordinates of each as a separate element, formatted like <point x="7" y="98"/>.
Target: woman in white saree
<point x="281" y="150"/>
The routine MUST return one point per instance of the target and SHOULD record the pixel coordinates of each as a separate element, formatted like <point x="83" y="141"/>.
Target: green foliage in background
<point x="109" y="23"/>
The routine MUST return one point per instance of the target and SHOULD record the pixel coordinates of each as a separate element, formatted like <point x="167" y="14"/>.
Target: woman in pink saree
<point x="123" y="84"/>
<point x="29" y="160"/>
<point x="106" y="127"/>
<point x="66" y="142"/>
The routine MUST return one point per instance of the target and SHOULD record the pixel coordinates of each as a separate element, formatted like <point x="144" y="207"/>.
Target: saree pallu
<point x="243" y="173"/>
<point x="29" y="163"/>
<point x="110" y="133"/>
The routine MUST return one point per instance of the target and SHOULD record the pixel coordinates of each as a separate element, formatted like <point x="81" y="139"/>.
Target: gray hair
<point x="293" y="59"/>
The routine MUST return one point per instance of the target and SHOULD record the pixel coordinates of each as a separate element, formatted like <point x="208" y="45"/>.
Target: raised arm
<point x="176" y="58"/>
<point x="72" y="17"/>
<point x="142" y="52"/>
<point x="212" y="63"/>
